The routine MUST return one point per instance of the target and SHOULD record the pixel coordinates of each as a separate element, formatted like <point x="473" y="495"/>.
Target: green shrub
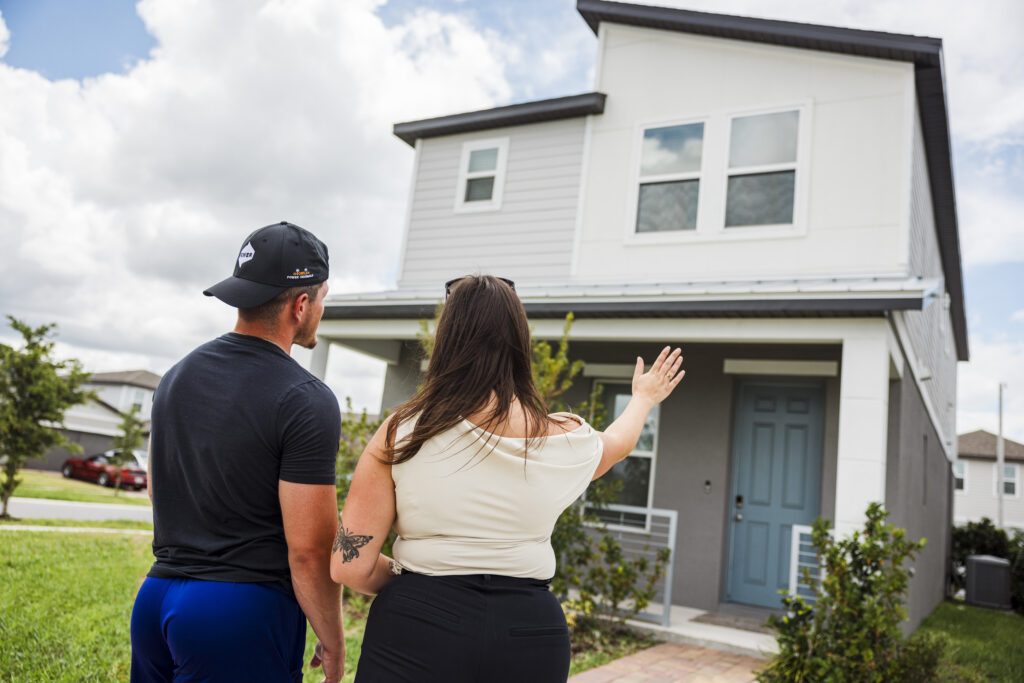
<point x="852" y="632"/>
<point x="1017" y="572"/>
<point x="976" y="538"/>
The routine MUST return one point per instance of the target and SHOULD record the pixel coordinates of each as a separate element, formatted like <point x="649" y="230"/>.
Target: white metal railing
<point x="803" y="555"/>
<point x="658" y="531"/>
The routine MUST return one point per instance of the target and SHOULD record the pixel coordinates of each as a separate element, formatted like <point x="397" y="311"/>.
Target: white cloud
<point x="992" y="362"/>
<point x="123" y="196"/>
<point x="1018" y="316"/>
<point x="5" y="36"/>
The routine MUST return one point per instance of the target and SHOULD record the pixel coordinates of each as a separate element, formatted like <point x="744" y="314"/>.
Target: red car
<point x="98" y="468"/>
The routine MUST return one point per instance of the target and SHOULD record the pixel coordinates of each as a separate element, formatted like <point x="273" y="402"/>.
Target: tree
<point x="131" y="438"/>
<point x="34" y="389"/>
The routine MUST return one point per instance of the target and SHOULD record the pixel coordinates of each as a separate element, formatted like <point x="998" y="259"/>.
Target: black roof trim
<point x="649" y="309"/>
<point x="906" y="48"/>
<point x="924" y="52"/>
<point x="511" y="115"/>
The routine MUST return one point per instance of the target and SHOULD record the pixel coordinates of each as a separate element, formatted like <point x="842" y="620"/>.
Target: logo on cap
<point x="246" y="254"/>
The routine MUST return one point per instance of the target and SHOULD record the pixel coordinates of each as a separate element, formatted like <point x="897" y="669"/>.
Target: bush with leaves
<point x="35" y="390"/>
<point x="852" y="631"/>
<point x="985" y="538"/>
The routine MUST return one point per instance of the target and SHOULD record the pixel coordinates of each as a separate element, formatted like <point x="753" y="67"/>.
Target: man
<point x="242" y="456"/>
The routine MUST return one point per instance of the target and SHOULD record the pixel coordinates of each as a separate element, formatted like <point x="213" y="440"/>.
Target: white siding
<point x="978" y="499"/>
<point x="857" y="167"/>
<point x="528" y="239"/>
<point x="930" y="330"/>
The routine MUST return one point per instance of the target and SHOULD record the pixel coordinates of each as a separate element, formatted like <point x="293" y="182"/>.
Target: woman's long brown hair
<point x="481" y="347"/>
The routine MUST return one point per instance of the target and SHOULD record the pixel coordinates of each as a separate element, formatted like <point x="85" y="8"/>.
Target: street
<point x="28" y="508"/>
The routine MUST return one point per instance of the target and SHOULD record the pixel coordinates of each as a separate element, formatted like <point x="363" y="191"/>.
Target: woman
<point x="472" y="473"/>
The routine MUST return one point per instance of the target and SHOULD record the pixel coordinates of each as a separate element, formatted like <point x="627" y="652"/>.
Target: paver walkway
<point x="670" y="662"/>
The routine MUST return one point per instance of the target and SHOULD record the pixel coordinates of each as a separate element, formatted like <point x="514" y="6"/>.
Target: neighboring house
<point x="975" y="483"/>
<point x="775" y="197"/>
<point x="94" y="424"/>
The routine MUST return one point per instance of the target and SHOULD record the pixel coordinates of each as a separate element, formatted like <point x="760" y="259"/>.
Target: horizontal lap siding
<point x="930" y="330"/>
<point x="529" y="238"/>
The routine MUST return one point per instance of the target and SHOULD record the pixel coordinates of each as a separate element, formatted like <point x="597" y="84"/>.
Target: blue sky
<point x="157" y="143"/>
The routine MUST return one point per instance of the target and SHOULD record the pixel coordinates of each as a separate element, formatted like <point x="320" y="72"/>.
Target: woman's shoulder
<point x="567" y="423"/>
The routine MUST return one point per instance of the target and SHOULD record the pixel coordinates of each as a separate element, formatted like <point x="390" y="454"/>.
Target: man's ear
<point x="300" y="305"/>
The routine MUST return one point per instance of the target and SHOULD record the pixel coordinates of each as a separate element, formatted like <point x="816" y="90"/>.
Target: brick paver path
<point x="670" y="662"/>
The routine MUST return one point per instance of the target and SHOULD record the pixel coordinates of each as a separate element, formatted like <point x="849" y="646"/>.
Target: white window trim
<point x="714" y="180"/>
<point x="953" y="465"/>
<point x="461" y="205"/>
<point x="1015" y="479"/>
<point x="652" y="454"/>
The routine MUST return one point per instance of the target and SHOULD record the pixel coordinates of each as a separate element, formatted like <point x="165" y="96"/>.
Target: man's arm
<point x="310" y="515"/>
<point x="369" y="514"/>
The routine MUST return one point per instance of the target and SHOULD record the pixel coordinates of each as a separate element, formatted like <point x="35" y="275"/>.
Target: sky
<point x="140" y="141"/>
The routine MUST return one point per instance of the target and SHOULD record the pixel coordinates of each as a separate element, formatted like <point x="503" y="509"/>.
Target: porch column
<point x="318" y="361"/>
<point x="863" y="423"/>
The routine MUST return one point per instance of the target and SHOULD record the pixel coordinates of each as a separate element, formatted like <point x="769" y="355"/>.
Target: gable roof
<point x="982" y="444"/>
<point x="135" y="378"/>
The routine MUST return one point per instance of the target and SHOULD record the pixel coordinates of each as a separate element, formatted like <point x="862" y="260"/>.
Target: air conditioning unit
<point x="988" y="581"/>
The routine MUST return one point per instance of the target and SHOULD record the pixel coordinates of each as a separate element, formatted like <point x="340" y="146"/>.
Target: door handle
<point x="738" y="517"/>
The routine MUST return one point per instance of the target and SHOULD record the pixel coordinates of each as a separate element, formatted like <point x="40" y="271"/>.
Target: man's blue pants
<point x="213" y="631"/>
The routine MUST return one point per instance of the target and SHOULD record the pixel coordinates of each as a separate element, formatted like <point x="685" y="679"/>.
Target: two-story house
<point x="976" y="480"/>
<point x="775" y="197"/>
<point x="94" y="424"/>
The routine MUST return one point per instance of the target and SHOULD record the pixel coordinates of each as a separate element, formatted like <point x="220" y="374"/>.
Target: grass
<point x="40" y="484"/>
<point x="92" y="523"/>
<point x="985" y="644"/>
<point x="67" y="601"/>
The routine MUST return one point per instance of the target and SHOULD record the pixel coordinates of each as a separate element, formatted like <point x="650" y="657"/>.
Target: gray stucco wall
<point x="918" y="495"/>
<point x="695" y="445"/>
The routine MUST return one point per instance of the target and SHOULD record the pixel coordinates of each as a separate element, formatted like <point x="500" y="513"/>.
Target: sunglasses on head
<point x="451" y="283"/>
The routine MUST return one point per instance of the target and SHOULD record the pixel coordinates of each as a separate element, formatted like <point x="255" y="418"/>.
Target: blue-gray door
<point x="776" y="483"/>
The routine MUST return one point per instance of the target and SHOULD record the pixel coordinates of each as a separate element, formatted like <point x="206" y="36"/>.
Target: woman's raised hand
<point x="658" y="382"/>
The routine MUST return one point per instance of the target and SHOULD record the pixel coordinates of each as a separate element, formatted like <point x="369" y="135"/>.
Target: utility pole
<point x="1000" y="456"/>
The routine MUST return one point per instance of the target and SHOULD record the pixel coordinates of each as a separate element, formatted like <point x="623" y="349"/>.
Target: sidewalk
<point x="670" y="662"/>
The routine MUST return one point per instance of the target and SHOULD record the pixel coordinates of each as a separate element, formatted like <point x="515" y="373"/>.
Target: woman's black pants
<point x="480" y="628"/>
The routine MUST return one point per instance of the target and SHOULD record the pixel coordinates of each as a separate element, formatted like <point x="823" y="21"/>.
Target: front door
<point x="776" y="483"/>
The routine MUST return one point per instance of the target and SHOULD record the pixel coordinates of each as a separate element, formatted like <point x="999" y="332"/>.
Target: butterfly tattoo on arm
<point x="349" y="543"/>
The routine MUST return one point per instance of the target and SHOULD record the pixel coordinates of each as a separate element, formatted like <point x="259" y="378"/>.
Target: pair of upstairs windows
<point x="760" y="175"/>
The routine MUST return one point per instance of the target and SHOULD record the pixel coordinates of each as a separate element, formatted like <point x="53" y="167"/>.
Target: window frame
<point x="712" y="194"/>
<point x="963" y="477"/>
<point x="653" y="455"/>
<point x="1015" y="479"/>
<point x="802" y="161"/>
<point x="494" y="203"/>
<point x="638" y="179"/>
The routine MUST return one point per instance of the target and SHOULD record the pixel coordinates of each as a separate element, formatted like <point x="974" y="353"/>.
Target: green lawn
<point x="986" y="645"/>
<point x="40" y="484"/>
<point x="91" y="523"/>
<point x="67" y="600"/>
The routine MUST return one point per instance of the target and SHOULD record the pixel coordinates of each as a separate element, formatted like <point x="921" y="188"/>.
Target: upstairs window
<point x="670" y="163"/>
<point x="959" y="475"/>
<point x="481" y="175"/>
<point x="762" y="169"/>
<point x="1010" y="480"/>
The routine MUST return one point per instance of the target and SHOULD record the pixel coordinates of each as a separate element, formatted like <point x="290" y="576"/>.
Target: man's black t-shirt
<point x="229" y="420"/>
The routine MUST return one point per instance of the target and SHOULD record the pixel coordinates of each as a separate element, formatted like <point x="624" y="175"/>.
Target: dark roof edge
<point x="633" y="309"/>
<point x="512" y="115"/>
<point x="919" y="49"/>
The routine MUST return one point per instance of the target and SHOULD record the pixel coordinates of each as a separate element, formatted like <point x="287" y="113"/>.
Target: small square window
<point x="481" y="175"/>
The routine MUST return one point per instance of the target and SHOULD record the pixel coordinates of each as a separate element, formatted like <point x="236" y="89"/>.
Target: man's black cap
<point x="271" y="260"/>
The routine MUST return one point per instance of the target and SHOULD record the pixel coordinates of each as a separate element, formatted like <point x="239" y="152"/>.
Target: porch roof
<point x="847" y="297"/>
